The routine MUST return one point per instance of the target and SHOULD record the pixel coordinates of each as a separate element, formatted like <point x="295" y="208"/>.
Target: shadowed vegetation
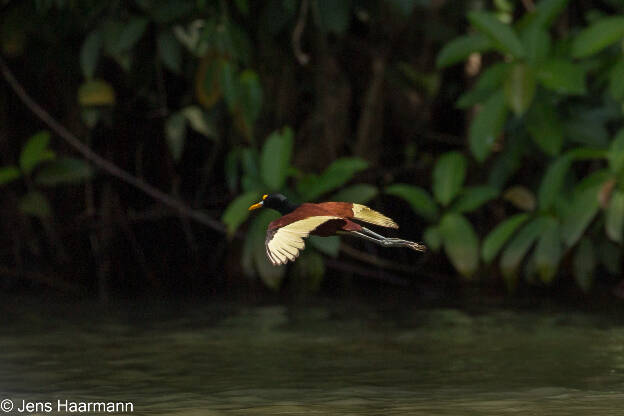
<point x="491" y="130"/>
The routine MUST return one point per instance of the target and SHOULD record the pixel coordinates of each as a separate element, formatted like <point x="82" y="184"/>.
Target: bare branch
<point x="529" y="5"/>
<point x="99" y="161"/>
<point x="377" y="261"/>
<point x="301" y="56"/>
<point x="366" y="272"/>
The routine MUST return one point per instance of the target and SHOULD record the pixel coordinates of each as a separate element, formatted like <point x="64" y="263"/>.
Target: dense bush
<point x="556" y="99"/>
<point x="362" y="100"/>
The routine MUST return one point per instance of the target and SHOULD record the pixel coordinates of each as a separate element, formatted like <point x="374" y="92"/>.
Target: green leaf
<point x="503" y="8"/>
<point x="473" y="197"/>
<point x="419" y="199"/>
<point x="334" y="15"/>
<point x="198" y="121"/>
<point x="238" y="210"/>
<point x="502" y="35"/>
<point x="228" y="81"/>
<point x="562" y="76"/>
<point x="596" y="179"/>
<point x="250" y="161"/>
<point x="616" y="153"/>
<point x="537" y="42"/>
<point x="251" y="180"/>
<point x="35" y="204"/>
<point x="552" y="182"/>
<point x="275" y="158"/>
<point x="460" y="48"/>
<point x="548" y="10"/>
<point x="360" y="194"/>
<point x="509" y="160"/>
<point x="548" y="251"/>
<point x="520" y="197"/>
<point x="497" y="238"/>
<point x="175" y="133"/>
<point x="616" y="80"/>
<point x="9" y="174"/>
<point x="518" y="247"/>
<point x="337" y="174"/>
<point x="600" y="34"/>
<point x="489" y="81"/>
<point x="63" y="171"/>
<point x="584" y="264"/>
<point x="487" y="125"/>
<point x="169" y="51"/>
<point x="519" y="88"/>
<point x="545" y="127"/>
<point x="580" y="212"/>
<point x="448" y="176"/>
<point x="35" y="151"/>
<point x="614" y="220"/>
<point x="250" y="97"/>
<point x="461" y="243"/>
<point x="130" y="34"/>
<point x="90" y="53"/>
<point x="326" y="245"/>
<point x="433" y="238"/>
<point x="587" y="153"/>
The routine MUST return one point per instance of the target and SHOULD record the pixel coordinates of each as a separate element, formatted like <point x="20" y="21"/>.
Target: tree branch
<point x="529" y="5"/>
<point x="377" y="261"/>
<point x="301" y="56"/>
<point x="99" y="161"/>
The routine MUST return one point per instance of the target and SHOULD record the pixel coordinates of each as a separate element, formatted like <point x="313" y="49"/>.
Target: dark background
<point x="352" y="79"/>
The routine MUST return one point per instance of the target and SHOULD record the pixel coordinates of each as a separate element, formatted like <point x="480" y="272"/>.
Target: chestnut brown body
<point x="338" y="209"/>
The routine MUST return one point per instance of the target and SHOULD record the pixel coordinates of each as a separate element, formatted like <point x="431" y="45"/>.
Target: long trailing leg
<point x="379" y="239"/>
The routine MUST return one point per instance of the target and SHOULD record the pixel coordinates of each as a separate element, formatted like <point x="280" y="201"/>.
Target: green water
<point x="332" y="359"/>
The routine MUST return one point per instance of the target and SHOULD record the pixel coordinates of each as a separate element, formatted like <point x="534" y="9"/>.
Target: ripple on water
<point x="276" y="360"/>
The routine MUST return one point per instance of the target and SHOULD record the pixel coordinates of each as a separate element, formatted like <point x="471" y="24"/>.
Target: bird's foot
<point x="417" y="246"/>
<point x="397" y="242"/>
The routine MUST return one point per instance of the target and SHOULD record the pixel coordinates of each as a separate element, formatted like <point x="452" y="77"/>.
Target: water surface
<point x="332" y="359"/>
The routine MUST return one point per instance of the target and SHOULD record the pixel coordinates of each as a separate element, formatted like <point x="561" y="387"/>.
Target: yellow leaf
<point x="96" y="93"/>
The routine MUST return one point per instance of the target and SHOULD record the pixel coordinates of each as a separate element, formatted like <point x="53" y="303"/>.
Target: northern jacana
<point x="284" y="239"/>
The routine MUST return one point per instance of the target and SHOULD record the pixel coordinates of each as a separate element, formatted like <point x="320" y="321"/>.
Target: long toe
<point x="417" y="246"/>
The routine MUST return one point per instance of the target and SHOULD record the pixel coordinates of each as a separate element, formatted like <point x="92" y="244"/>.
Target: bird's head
<point x="277" y="202"/>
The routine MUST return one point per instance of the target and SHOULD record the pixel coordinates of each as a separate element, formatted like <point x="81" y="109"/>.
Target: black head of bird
<point x="278" y="202"/>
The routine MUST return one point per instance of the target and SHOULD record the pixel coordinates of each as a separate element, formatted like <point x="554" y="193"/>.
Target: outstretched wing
<point x="358" y="212"/>
<point x="283" y="244"/>
<point x="364" y="213"/>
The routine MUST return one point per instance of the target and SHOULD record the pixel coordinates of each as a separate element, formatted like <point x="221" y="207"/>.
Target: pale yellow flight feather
<point x="364" y="213"/>
<point x="287" y="241"/>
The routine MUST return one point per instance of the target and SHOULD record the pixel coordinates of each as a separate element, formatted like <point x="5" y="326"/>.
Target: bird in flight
<point x="285" y="236"/>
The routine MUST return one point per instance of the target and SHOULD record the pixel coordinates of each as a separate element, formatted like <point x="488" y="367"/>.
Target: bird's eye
<point x="264" y="197"/>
